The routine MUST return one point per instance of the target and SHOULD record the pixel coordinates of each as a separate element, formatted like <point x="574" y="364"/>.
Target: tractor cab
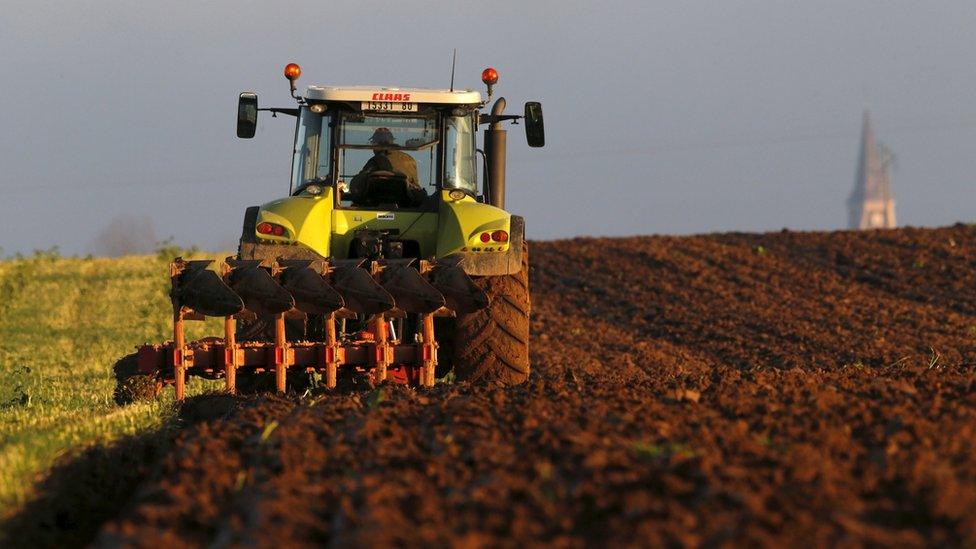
<point x="389" y="173"/>
<point x="385" y="149"/>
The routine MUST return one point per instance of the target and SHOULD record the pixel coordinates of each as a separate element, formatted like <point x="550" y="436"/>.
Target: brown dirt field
<point x="734" y="389"/>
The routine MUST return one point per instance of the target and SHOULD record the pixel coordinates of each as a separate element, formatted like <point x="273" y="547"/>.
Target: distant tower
<point x="871" y="205"/>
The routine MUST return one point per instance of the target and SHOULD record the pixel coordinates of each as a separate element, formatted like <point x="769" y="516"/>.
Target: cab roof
<point x="390" y="94"/>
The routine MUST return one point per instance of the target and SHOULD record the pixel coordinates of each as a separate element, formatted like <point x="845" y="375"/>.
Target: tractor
<point x="386" y="261"/>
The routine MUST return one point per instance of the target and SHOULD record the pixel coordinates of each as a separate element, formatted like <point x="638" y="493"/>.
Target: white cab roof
<point x="399" y="95"/>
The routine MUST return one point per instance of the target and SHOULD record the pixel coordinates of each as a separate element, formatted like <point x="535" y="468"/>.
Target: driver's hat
<point x="382" y="136"/>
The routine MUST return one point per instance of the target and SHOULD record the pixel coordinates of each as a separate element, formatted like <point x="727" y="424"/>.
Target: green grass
<point x="653" y="451"/>
<point x="63" y="324"/>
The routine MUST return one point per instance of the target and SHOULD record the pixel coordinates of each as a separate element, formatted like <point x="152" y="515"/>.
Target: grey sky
<point x="662" y="117"/>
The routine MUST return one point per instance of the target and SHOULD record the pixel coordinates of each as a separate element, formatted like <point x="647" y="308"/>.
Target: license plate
<point x="387" y="106"/>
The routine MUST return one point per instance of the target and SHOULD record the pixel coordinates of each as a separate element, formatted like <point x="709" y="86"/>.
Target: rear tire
<point x="130" y="385"/>
<point x="493" y="344"/>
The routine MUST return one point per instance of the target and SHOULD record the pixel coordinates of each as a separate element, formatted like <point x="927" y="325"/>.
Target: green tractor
<point x="385" y="262"/>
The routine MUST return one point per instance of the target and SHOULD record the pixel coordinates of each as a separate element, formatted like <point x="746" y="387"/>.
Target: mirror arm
<point x="275" y="110"/>
<point x="492" y="118"/>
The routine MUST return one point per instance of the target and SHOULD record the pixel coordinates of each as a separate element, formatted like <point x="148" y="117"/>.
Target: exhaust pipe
<point x="495" y="144"/>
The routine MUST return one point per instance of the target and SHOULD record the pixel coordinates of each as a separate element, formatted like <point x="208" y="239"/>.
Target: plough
<point x="375" y="294"/>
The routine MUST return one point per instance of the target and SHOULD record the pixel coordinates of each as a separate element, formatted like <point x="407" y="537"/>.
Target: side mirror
<point x="535" y="132"/>
<point x="247" y="115"/>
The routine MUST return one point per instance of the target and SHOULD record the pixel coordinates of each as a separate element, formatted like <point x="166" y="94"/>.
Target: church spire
<point x="871" y="205"/>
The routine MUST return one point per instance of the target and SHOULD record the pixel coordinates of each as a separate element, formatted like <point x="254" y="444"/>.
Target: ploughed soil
<point x="799" y="388"/>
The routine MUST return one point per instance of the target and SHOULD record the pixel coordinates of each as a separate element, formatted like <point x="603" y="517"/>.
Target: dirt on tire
<point x="734" y="389"/>
<point x="492" y="344"/>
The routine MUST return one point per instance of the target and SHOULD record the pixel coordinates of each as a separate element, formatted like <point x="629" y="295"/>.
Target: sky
<point x="669" y="117"/>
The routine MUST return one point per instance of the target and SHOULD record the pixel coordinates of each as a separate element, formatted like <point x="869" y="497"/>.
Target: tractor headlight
<point x="313" y="190"/>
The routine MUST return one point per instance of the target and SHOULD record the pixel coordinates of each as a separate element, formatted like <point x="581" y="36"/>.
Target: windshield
<point x="459" y="154"/>
<point x="312" y="157"/>
<point x="387" y="162"/>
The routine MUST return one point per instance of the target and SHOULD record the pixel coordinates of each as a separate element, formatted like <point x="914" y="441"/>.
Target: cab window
<point x="387" y="162"/>
<point x="459" y="154"/>
<point x="312" y="157"/>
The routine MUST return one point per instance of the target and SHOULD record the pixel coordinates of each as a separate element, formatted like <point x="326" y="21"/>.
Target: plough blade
<point x="259" y="291"/>
<point x="460" y="292"/>
<point x="360" y="291"/>
<point x="411" y="292"/>
<point x="205" y="292"/>
<point x="311" y="291"/>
